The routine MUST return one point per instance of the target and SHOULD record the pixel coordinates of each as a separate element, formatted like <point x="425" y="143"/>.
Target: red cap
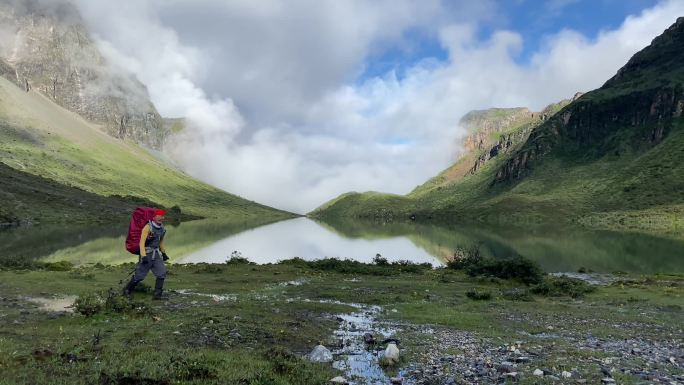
<point x="159" y="212"/>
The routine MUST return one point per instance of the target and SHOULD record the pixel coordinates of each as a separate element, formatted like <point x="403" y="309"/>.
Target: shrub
<point x="562" y="286"/>
<point x="236" y="258"/>
<point x="58" y="266"/>
<point x="517" y="294"/>
<point x="464" y="256"/>
<point x="380" y="260"/>
<point x="89" y="304"/>
<point x="296" y="261"/>
<point x="116" y="302"/>
<point x="474" y="264"/>
<point x="355" y="267"/>
<point x="478" y="295"/>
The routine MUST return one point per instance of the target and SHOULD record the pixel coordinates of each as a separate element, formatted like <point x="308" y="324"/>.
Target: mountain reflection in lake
<point x="213" y="241"/>
<point x="307" y="239"/>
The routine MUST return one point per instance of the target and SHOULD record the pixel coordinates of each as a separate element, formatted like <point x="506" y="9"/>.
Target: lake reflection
<point x="307" y="239"/>
<point x="213" y="240"/>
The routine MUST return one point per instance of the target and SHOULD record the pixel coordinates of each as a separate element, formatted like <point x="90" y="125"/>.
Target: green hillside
<point x="58" y="167"/>
<point x="614" y="157"/>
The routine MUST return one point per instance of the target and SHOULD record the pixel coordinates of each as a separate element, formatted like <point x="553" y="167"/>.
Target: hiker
<point x="152" y="255"/>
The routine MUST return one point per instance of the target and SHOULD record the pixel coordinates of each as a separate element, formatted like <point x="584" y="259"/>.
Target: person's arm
<point x="143" y="238"/>
<point x="161" y="246"/>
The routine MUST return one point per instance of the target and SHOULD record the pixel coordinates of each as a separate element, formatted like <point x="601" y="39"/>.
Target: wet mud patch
<point x="62" y="303"/>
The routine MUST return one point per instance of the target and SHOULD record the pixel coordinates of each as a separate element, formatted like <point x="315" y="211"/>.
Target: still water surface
<point x="213" y="241"/>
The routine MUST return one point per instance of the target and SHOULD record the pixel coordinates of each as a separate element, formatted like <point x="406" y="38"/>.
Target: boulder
<point x="320" y="354"/>
<point x="392" y="353"/>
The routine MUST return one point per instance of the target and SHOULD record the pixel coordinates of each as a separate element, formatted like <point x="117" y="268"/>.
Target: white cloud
<point x="275" y="112"/>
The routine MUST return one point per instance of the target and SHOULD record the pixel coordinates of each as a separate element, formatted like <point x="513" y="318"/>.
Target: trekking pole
<point x="125" y="279"/>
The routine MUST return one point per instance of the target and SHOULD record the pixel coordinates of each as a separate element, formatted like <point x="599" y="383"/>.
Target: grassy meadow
<point x="253" y="324"/>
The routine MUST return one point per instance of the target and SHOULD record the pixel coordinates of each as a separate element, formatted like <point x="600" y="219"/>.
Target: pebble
<point x="538" y="372"/>
<point x="566" y="374"/>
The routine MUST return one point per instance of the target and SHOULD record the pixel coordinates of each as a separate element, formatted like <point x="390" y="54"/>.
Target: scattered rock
<point x="607" y="380"/>
<point x="538" y="372"/>
<point x="321" y="354"/>
<point x="396" y="380"/>
<point x="392" y="354"/>
<point x="339" y="380"/>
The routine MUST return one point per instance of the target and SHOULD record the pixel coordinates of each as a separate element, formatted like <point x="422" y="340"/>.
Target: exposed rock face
<point x="633" y="111"/>
<point x="484" y="123"/>
<point x="513" y="126"/>
<point x="50" y="51"/>
<point x="503" y="145"/>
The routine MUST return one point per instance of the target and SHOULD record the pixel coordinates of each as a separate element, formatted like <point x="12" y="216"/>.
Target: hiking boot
<point x="128" y="290"/>
<point x="159" y="290"/>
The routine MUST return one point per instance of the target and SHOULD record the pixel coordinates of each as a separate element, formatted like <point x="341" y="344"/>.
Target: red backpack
<point x="141" y="216"/>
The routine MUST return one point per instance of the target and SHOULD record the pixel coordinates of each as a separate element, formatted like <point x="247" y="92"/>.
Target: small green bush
<point x="478" y="295"/>
<point x="474" y="264"/>
<point x="89" y="304"/>
<point x="562" y="286"/>
<point x="58" y="266"/>
<point x="116" y="302"/>
<point x="236" y="258"/>
<point x="380" y="260"/>
<point x="517" y="294"/>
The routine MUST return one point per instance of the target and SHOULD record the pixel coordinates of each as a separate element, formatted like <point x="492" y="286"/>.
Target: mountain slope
<point x="614" y="157"/>
<point x="40" y="138"/>
<point x="47" y="48"/>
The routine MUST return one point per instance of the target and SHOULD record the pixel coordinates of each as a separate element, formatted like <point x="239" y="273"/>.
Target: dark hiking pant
<point x="156" y="265"/>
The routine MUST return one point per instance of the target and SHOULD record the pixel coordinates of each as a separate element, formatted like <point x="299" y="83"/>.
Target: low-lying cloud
<point x="276" y="112"/>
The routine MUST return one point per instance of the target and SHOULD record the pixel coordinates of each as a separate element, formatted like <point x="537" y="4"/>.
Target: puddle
<point x="215" y="297"/>
<point x="358" y="361"/>
<point x="64" y="303"/>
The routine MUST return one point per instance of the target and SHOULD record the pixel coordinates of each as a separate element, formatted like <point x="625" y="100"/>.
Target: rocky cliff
<point x="514" y="133"/>
<point x="492" y="132"/>
<point x="46" y="48"/>
<point x="483" y="124"/>
<point x="631" y="113"/>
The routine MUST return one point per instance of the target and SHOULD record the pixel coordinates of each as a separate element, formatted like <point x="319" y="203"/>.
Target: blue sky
<point x="534" y="20"/>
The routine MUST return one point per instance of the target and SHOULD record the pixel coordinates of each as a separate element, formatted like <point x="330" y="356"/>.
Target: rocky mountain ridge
<point x="51" y="51"/>
<point x="492" y="132"/>
<point x="632" y="112"/>
<point x="513" y="133"/>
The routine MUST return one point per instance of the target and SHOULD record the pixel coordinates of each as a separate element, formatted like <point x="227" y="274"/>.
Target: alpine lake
<point x="555" y="249"/>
